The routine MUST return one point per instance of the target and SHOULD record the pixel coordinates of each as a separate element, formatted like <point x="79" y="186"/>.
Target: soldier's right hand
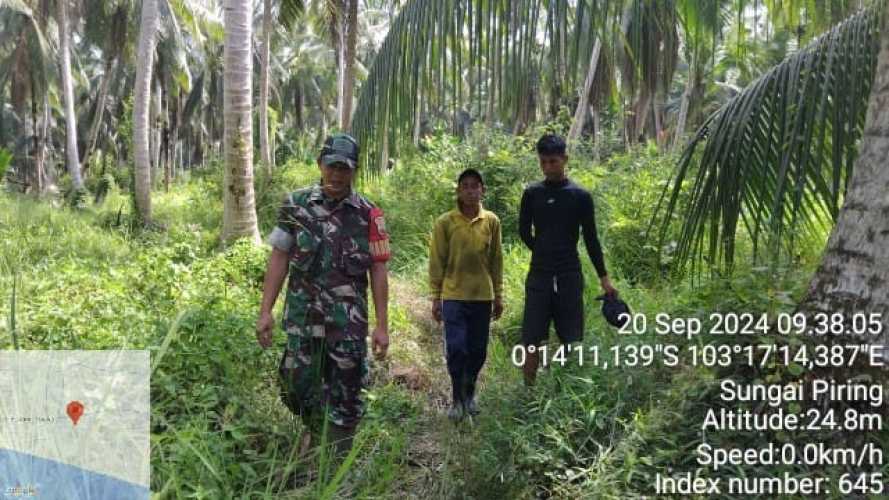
<point x="436" y="310"/>
<point x="264" y="328"/>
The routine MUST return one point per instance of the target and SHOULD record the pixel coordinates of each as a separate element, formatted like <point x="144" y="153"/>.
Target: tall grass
<point x="15" y="339"/>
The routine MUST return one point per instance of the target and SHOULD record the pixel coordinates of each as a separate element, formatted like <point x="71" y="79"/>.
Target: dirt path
<point x="429" y="455"/>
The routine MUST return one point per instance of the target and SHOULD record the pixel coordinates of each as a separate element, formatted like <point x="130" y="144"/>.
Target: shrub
<point x="629" y="190"/>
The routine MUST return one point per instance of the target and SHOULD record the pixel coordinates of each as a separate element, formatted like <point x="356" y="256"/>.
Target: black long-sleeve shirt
<point x="557" y="211"/>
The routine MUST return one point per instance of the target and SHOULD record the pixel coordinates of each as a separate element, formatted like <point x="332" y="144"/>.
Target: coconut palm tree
<point x="347" y="43"/>
<point x="141" y="105"/>
<point x="108" y="28"/>
<point x="649" y="58"/>
<point x="781" y="159"/>
<point x="289" y="12"/>
<point x="596" y="18"/>
<point x="701" y="25"/>
<point x="853" y="277"/>
<point x="239" y="211"/>
<point x="338" y="20"/>
<point x="29" y="68"/>
<point x="265" y="149"/>
<point x="173" y="53"/>
<point x="72" y="157"/>
<point x="306" y="81"/>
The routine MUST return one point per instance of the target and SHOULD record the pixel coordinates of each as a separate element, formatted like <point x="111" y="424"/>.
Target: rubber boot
<point x="469" y="404"/>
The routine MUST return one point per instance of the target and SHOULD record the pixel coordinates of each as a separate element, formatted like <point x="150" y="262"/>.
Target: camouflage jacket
<point x="331" y="246"/>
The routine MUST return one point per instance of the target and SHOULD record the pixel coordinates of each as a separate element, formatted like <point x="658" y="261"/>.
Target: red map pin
<point x="75" y="411"/>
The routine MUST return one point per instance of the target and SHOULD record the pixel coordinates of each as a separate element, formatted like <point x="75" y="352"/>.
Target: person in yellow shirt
<point x="466" y="283"/>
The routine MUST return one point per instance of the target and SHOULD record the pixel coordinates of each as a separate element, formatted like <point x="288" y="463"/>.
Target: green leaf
<point x="5" y="161"/>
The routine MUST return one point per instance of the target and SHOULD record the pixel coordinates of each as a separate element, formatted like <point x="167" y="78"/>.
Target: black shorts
<point x="556" y="297"/>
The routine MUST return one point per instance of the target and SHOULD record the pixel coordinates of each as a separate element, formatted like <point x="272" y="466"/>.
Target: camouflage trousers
<point x="321" y="378"/>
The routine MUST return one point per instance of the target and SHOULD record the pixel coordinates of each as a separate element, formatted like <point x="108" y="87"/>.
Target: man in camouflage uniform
<point x="330" y="239"/>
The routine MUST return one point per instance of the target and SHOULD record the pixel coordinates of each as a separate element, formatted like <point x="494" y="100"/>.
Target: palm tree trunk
<point x="100" y="109"/>
<point x="418" y="117"/>
<point x="44" y="178"/>
<point x="339" y="45"/>
<point x="558" y="53"/>
<point x="322" y="105"/>
<point x="239" y="211"/>
<point x="349" y="65"/>
<point x="73" y="159"/>
<point x="625" y="19"/>
<point x="141" y="107"/>
<point x="37" y="154"/>
<point x="265" y="151"/>
<point x="581" y="111"/>
<point x="2" y="107"/>
<point x="683" y="108"/>
<point x="201" y="140"/>
<point x="637" y="118"/>
<point x="657" y="114"/>
<point x="853" y="277"/>
<point x="157" y="131"/>
<point x="177" y="126"/>
<point x="167" y="142"/>
<point x="298" y="107"/>
<point x="597" y="132"/>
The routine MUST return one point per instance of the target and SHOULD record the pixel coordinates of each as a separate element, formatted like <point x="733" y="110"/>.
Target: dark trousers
<point x="466" y="324"/>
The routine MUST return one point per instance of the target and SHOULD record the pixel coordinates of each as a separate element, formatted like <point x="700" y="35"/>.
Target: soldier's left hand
<point x="498" y="308"/>
<point x="380" y="342"/>
<point x="264" y="329"/>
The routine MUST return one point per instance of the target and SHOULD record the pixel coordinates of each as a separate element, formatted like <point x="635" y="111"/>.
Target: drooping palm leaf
<point x="31" y="63"/>
<point x="16" y="5"/>
<point x="290" y="12"/>
<point x="480" y="55"/>
<point x="651" y="45"/>
<point x="777" y="156"/>
<point x="702" y="25"/>
<point x="194" y="100"/>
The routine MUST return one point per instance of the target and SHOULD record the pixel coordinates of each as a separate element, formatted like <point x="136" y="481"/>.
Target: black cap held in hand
<point x="615" y="311"/>
<point x="340" y="148"/>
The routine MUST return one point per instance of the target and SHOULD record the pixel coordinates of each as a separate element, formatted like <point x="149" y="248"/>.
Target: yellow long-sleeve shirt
<point x="466" y="257"/>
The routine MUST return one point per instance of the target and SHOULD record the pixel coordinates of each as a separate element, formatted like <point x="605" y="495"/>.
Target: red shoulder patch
<point x="378" y="236"/>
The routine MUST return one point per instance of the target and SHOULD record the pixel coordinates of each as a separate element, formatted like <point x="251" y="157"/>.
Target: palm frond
<point x="777" y="156"/>
<point x="194" y="100"/>
<point x="172" y="42"/>
<point x="290" y="12"/>
<point x="199" y="19"/>
<point x="31" y="63"/>
<point x="19" y="6"/>
<point x="651" y="47"/>
<point x="475" y="55"/>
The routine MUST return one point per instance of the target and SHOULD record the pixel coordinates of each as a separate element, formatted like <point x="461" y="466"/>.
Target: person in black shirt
<point x="550" y="218"/>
